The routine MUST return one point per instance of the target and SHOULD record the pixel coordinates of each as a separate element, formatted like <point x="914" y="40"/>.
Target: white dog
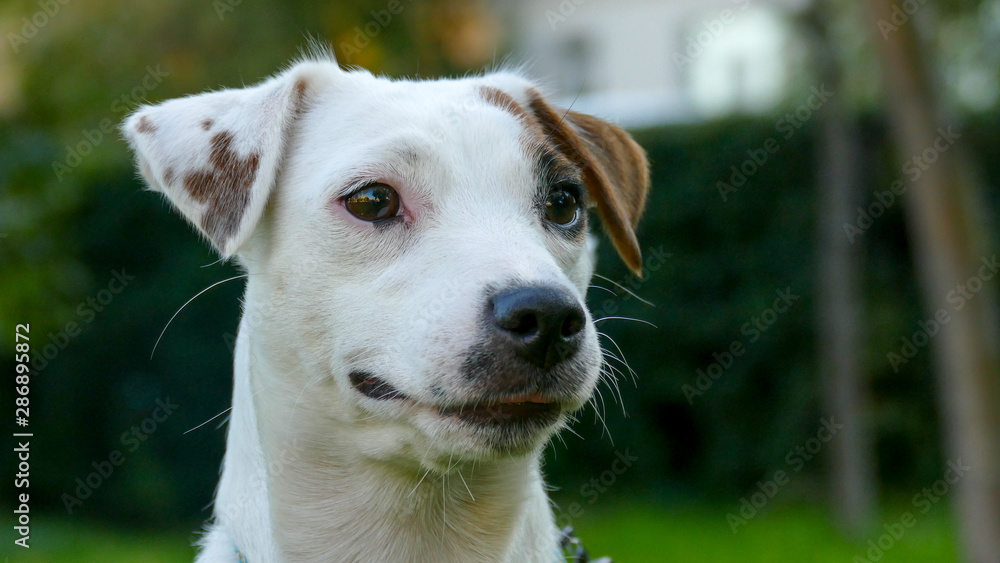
<point x="414" y="328"/>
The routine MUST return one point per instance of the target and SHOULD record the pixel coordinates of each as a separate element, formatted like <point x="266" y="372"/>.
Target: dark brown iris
<point x="561" y="207"/>
<point x="374" y="202"/>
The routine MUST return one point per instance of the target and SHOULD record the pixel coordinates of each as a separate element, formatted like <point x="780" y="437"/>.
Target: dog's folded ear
<point x="615" y="170"/>
<point x="216" y="155"/>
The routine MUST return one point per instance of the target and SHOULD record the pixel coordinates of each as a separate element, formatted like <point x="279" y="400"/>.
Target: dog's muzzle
<point x="523" y="368"/>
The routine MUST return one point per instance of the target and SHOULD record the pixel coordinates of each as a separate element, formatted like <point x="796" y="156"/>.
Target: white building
<point x="648" y="62"/>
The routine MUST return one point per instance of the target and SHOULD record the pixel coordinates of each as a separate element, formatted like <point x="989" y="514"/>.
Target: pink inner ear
<point x="226" y="188"/>
<point x="300" y="93"/>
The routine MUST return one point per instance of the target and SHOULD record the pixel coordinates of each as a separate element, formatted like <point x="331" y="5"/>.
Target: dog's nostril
<point x="572" y="325"/>
<point x="524" y="324"/>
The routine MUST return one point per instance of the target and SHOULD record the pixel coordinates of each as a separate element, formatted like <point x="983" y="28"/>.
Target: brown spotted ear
<point x="615" y="170"/>
<point x="216" y="155"/>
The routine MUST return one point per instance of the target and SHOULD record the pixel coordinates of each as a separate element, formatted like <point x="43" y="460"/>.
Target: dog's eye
<point x="561" y="206"/>
<point x="373" y="202"/>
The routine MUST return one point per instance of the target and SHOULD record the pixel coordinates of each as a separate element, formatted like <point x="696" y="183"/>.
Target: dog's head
<point x="417" y="251"/>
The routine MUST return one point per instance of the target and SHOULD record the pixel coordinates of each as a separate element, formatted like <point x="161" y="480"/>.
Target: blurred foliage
<point x="68" y="236"/>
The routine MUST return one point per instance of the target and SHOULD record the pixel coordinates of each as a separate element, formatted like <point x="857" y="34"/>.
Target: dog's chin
<point x="489" y="428"/>
<point x="472" y="438"/>
<point x="507" y="428"/>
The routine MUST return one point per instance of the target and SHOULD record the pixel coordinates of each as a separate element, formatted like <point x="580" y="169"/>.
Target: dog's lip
<point x="374" y="387"/>
<point x="501" y="400"/>
<point x="533" y="398"/>
<point x="514" y="409"/>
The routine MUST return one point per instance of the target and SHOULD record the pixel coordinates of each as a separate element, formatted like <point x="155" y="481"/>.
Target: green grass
<point x="643" y="534"/>
<point x="57" y="542"/>
<point x="629" y="533"/>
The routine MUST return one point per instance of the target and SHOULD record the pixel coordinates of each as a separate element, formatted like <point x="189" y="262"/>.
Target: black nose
<point x="541" y="323"/>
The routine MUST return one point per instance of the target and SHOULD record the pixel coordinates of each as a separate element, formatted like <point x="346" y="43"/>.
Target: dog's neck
<point x="279" y="501"/>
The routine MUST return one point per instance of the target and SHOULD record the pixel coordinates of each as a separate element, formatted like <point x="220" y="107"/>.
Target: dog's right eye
<point x="562" y="206"/>
<point x="374" y="202"/>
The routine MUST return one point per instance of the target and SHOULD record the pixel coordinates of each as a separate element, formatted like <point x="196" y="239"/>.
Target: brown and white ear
<point x="216" y="155"/>
<point x="615" y="170"/>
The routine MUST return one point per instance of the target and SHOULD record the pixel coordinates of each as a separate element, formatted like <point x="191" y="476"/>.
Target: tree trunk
<point x="948" y="242"/>
<point x="845" y="394"/>
<point x="840" y="323"/>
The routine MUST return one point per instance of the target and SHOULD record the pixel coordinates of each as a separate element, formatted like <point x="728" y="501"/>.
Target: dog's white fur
<point x="315" y="470"/>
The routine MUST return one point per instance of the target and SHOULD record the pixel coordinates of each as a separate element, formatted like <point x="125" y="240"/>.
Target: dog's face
<point x="417" y="251"/>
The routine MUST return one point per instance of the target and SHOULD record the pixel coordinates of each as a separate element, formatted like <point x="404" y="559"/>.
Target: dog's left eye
<point x="374" y="202"/>
<point x="561" y="206"/>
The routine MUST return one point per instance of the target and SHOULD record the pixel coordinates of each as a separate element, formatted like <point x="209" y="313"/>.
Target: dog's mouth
<point x="534" y="408"/>
<point x="374" y="387"/>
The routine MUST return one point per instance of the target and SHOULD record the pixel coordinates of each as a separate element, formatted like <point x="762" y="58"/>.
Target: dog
<point x="414" y="328"/>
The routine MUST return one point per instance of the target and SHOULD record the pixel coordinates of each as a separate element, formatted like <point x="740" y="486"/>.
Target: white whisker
<point x="609" y="355"/>
<point x="622" y="357"/>
<point x="595" y="286"/>
<point x="466" y="486"/>
<point x="415" y="487"/>
<point x="614" y="370"/>
<point x="623" y="288"/>
<point x="295" y="405"/>
<point x="209" y="420"/>
<point x="573" y="432"/>
<point x="562" y="440"/>
<point x="624" y="319"/>
<point x="612" y="384"/>
<point x="185" y="305"/>
<point x="599" y="416"/>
